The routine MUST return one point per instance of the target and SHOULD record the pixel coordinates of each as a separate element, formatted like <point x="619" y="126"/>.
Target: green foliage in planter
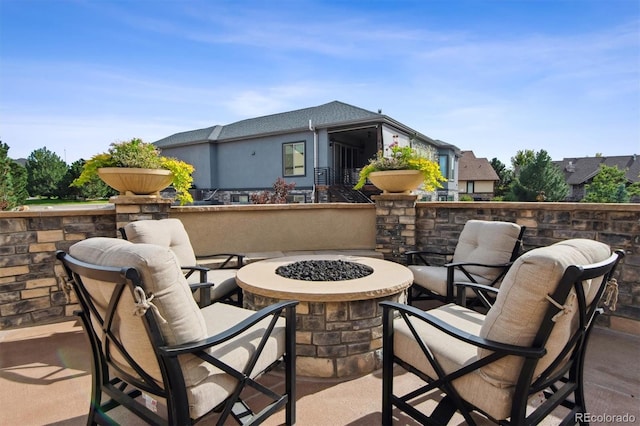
<point x="138" y="154"/>
<point x="403" y="158"/>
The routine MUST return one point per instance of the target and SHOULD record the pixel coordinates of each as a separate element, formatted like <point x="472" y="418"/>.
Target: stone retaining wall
<point x="618" y="225"/>
<point x="31" y="291"/>
<point x="31" y="288"/>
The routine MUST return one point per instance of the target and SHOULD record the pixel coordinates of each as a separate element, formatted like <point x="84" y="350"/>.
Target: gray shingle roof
<point x="580" y="170"/>
<point x="198" y="135"/>
<point x="330" y="114"/>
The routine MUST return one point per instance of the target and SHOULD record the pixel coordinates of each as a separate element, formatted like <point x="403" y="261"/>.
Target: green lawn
<point x="58" y="202"/>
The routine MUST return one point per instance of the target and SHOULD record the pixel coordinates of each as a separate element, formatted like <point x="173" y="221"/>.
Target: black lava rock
<point x="324" y="270"/>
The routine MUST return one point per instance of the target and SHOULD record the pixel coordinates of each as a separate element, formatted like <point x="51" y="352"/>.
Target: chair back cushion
<point x="162" y="277"/>
<point x="517" y="315"/>
<point x="486" y="242"/>
<point x="164" y="232"/>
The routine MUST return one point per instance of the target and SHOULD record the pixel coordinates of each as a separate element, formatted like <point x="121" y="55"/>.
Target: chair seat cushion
<point x="452" y="354"/>
<point x="209" y="385"/>
<point x="434" y="278"/>
<point x="225" y="282"/>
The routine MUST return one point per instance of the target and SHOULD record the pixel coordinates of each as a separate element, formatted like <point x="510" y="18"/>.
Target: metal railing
<point x="331" y="176"/>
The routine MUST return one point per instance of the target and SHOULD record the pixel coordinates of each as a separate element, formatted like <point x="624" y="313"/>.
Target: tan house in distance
<point x="476" y="177"/>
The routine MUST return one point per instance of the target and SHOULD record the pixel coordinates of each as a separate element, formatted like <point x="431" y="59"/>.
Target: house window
<point x="293" y="159"/>
<point x="443" y="161"/>
<point x="470" y="187"/>
<point x="239" y="199"/>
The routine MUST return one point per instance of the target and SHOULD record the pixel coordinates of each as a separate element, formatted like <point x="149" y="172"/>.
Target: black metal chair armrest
<point x="481" y="287"/>
<point x="480" y="290"/>
<point x="420" y="255"/>
<point x="486" y="265"/>
<point x="198" y="286"/>
<point x="230" y="333"/>
<point x="229" y="257"/>
<point x="503" y="348"/>
<point x="191" y="269"/>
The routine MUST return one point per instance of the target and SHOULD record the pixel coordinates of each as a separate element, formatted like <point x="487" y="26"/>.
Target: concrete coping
<point x="387" y="278"/>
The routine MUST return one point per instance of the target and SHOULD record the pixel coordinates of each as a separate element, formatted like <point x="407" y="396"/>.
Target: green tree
<point x="45" y="171"/>
<point x="12" y="180"/>
<point x="521" y="159"/>
<point x="634" y="189"/>
<point x="7" y="196"/>
<point x="94" y="187"/>
<point x="19" y="178"/>
<point x="539" y="180"/>
<point x="609" y="185"/>
<point x="505" y="175"/>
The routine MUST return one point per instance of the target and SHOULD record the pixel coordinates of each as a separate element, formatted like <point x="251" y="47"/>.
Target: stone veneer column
<point x="322" y="194"/>
<point x="139" y="207"/>
<point x="395" y="225"/>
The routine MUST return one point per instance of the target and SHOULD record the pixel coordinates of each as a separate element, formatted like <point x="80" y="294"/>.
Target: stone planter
<point x="397" y="181"/>
<point x="133" y="181"/>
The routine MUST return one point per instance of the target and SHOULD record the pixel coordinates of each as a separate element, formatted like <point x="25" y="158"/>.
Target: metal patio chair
<point x="151" y="342"/>
<point x="483" y="254"/>
<point x="214" y="284"/>
<point x="517" y="364"/>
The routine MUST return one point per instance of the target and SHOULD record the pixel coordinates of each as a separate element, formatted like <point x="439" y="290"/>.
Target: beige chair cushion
<point x="207" y="386"/>
<point x="164" y="232"/>
<point x="481" y="241"/>
<point x="452" y="354"/>
<point x="210" y="386"/>
<point x="434" y="278"/>
<point x="516" y="316"/>
<point x="224" y="280"/>
<point x="487" y="242"/>
<point x="171" y="233"/>
<point x="162" y="277"/>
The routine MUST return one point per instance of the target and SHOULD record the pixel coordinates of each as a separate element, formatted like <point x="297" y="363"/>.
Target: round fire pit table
<point x="338" y="323"/>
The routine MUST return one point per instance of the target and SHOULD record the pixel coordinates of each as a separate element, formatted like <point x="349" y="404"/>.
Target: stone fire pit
<point x="339" y="322"/>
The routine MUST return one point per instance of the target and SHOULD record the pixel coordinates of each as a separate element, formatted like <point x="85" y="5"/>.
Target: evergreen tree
<point x="93" y="188"/>
<point x="19" y="178"/>
<point x="7" y="195"/>
<point x="12" y="180"/>
<point x="505" y="175"/>
<point x="539" y="180"/>
<point x="45" y="171"/>
<point x="608" y="186"/>
<point x="521" y="159"/>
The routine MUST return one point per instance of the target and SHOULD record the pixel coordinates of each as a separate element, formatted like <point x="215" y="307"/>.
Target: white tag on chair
<point x="150" y="403"/>
<point x="537" y="399"/>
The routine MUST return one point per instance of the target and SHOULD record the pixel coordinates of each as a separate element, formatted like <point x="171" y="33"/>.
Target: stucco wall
<point x="259" y="228"/>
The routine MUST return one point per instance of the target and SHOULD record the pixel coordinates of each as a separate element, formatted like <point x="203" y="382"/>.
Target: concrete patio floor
<point x="45" y="380"/>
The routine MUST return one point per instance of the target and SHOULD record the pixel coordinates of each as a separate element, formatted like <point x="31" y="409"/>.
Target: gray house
<point x="580" y="171"/>
<point x="320" y="149"/>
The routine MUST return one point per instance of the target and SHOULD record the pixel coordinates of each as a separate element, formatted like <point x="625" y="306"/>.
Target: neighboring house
<point x="320" y="149"/>
<point x="476" y="177"/>
<point x="580" y="171"/>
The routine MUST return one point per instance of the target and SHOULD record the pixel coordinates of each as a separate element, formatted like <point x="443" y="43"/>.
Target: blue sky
<point x="494" y="76"/>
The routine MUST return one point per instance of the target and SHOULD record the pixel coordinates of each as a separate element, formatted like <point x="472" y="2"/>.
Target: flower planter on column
<point x="397" y="181"/>
<point x="134" y="181"/>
